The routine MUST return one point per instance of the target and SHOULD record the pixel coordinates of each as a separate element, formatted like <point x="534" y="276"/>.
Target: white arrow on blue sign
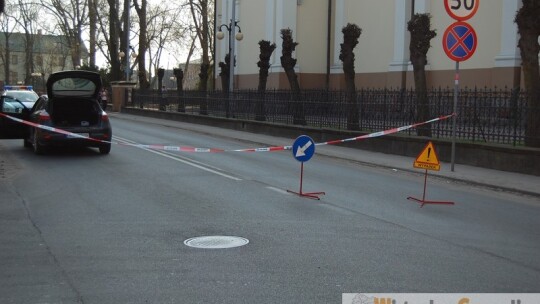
<point x="303" y="148"/>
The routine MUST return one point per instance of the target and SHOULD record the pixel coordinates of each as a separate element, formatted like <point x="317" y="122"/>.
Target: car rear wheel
<point x="105" y="149"/>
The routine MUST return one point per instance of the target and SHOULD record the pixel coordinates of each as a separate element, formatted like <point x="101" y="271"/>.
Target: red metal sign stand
<point x="423" y="201"/>
<point x="312" y="195"/>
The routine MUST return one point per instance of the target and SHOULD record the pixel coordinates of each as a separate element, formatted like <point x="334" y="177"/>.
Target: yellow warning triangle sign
<point x="427" y="159"/>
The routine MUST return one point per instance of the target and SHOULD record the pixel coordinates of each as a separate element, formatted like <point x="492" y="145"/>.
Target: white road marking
<point x="278" y="190"/>
<point x="192" y="163"/>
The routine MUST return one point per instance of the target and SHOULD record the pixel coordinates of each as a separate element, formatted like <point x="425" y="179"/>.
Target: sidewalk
<point x="501" y="180"/>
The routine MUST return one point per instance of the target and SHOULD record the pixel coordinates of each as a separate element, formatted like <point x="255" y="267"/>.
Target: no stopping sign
<point x="459" y="41"/>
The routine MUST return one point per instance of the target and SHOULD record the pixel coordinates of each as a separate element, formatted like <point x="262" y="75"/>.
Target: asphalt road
<point x="80" y="227"/>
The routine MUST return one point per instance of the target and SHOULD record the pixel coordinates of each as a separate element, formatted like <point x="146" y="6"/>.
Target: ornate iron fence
<point x="484" y="115"/>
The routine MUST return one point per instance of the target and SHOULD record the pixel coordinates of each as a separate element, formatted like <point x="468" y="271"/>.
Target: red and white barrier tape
<point x="51" y="129"/>
<point x="214" y="150"/>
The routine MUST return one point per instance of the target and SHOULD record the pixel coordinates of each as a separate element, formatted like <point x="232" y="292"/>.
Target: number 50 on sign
<point x="461" y="10"/>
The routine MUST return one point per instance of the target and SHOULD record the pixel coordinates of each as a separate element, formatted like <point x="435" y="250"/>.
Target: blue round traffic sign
<point x="459" y="41"/>
<point x="303" y="148"/>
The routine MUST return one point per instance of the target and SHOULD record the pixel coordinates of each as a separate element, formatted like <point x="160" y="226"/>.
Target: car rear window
<point x="73" y="87"/>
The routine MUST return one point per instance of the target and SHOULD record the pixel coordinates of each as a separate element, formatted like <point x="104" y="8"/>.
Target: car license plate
<point x="78" y="135"/>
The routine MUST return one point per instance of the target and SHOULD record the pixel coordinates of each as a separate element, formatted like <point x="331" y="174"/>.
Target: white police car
<point x="22" y="93"/>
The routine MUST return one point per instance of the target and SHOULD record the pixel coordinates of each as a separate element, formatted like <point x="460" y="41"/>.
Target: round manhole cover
<point x="216" y="242"/>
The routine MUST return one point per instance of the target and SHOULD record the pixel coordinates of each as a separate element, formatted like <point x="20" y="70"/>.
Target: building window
<point x="14" y="59"/>
<point x="13" y="77"/>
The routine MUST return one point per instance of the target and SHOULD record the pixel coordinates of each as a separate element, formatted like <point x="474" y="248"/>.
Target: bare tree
<point x="71" y="20"/>
<point x="161" y="27"/>
<point x="201" y="11"/>
<point x="102" y="34"/>
<point x="113" y="39"/>
<point x="351" y="33"/>
<point x="421" y="34"/>
<point x="7" y="25"/>
<point x="143" y="42"/>
<point x="28" y="19"/>
<point x="528" y="22"/>
<point x="266" y="49"/>
<point x="92" y="16"/>
<point x="288" y="63"/>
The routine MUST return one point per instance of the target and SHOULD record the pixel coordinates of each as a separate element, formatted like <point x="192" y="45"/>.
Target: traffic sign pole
<point x="459" y="44"/>
<point x="423" y="201"/>
<point x="312" y="195"/>
<point x="454" y="119"/>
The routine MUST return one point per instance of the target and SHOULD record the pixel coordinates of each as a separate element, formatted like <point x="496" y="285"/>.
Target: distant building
<point x="191" y="76"/>
<point x="49" y="54"/>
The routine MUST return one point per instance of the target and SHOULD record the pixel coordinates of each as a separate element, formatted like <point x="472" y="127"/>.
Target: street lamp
<point x="121" y="56"/>
<point x="231" y="28"/>
<point x="127" y="62"/>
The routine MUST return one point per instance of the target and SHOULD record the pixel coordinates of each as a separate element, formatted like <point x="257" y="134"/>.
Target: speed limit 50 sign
<point x="461" y="10"/>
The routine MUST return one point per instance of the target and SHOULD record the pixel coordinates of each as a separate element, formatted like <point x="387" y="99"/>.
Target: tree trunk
<point x="224" y="74"/>
<point x="266" y="49"/>
<point x="162" y="100"/>
<point x="421" y="35"/>
<point x="529" y="54"/>
<point x="422" y="100"/>
<point x="203" y="86"/>
<point x="7" y="59"/>
<point x="203" y="34"/>
<point x="144" y="83"/>
<point x="529" y="30"/>
<point x="114" y="36"/>
<point x="351" y="33"/>
<point x="179" y="74"/>
<point x="288" y="63"/>
<point x="92" y="16"/>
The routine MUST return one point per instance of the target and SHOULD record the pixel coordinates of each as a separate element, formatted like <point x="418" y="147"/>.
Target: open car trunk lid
<point x="73" y="98"/>
<point x="85" y="84"/>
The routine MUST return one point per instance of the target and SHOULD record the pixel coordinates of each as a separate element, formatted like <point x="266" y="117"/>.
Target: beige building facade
<point x="382" y="55"/>
<point x="50" y="53"/>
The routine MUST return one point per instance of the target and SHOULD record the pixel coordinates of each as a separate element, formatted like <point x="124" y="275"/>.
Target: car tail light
<point x="104" y="117"/>
<point x="43" y="117"/>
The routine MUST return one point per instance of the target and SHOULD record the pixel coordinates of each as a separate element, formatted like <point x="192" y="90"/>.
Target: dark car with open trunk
<point x="70" y="115"/>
